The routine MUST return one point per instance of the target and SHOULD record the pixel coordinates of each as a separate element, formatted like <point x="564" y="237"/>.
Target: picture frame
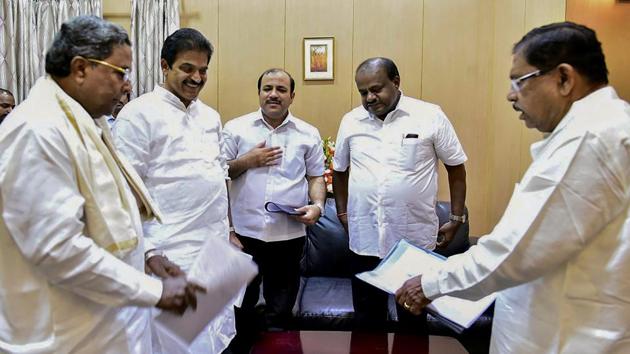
<point x="319" y="58"/>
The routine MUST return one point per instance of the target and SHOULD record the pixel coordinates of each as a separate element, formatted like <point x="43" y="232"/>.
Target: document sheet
<point x="405" y="261"/>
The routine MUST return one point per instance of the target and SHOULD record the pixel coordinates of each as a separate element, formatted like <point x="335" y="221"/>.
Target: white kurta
<point x="392" y="187"/>
<point x="560" y="253"/>
<point x="177" y="152"/>
<point x="59" y="291"/>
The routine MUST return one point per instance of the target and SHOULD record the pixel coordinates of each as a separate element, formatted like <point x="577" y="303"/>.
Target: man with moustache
<point x="174" y="140"/>
<point x="7" y="103"/>
<point x="559" y="256"/>
<point x="273" y="157"/>
<point x="385" y="179"/>
<point x="71" y="245"/>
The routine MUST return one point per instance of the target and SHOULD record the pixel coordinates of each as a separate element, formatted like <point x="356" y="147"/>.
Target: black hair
<point x="276" y="70"/>
<point x="379" y="62"/>
<point x="564" y="42"/>
<point x="183" y="40"/>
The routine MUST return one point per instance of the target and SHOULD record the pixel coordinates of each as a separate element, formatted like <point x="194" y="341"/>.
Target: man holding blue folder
<point x="559" y="255"/>
<point x="273" y="157"/>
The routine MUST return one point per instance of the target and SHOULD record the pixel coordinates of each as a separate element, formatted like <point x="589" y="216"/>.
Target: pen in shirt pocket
<point x="408" y="136"/>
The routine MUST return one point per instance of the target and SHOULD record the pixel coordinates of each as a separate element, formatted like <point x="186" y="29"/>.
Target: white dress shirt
<point x="560" y="253"/>
<point x="392" y="188"/>
<point x="177" y="152"/>
<point x="59" y="291"/>
<point x="285" y="183"/>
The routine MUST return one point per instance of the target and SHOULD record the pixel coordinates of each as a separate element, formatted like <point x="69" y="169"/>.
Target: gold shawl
<point x="109" y="225"/>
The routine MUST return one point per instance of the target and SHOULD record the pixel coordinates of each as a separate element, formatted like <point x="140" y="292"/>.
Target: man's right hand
<point x="178" y="294"/>
<point x="261" y="156"/>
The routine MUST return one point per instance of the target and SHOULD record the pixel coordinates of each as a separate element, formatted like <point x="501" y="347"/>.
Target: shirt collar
<point x="261" y="119"/>
<point x="169" y="97"/>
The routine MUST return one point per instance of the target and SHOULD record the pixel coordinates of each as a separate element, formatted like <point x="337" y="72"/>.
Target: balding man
<point x="385" y="178"/>
<point x="273" y="157"/>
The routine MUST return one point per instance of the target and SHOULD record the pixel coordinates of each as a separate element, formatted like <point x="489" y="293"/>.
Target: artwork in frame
<point x="319" y="58"/>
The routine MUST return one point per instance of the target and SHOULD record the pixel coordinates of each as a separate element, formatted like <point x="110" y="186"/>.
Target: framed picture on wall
<point x="319" y="58"/>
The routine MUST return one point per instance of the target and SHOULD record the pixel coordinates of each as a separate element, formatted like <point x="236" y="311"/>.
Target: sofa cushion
<point x="326" y="251"/>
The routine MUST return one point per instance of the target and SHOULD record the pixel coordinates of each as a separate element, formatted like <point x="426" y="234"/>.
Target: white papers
<point x="223" y="271"/>
<point x="405" y="261"/>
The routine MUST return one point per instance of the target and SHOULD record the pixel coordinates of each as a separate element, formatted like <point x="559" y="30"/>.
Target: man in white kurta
<point x="174" y="140"/>
<point x="71" y="248"/>
<point x="559" y="254"/>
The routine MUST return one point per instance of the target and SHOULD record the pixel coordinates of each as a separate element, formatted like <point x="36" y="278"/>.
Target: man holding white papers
<point x="559" y="255"/>
<point x="71" y="246"/>
<point x="274" y="157"/>
<point x="385" y="177"/>
<point x="174" y="142"/>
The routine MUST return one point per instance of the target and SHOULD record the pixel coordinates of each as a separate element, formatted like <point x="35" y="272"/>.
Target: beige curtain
<point x="151" y="22"/>
<point x="27" y="28"/>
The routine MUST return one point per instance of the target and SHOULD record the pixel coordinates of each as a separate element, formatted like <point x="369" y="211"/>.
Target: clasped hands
<point x="411" y="297"/>
<point x="177" y="292"/>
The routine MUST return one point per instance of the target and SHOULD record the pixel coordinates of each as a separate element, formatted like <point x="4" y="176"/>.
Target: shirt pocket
<point x="413" y="153"/>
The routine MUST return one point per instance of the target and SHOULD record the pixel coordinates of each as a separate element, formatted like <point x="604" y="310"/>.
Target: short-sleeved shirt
<point x="284" y="183"/>
<point x="393" y="181"/>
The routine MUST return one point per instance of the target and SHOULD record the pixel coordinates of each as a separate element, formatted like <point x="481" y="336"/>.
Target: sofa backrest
<point x="327" y="254"/>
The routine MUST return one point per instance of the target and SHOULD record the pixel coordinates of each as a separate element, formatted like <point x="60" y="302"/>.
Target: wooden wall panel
<point x="203" y="15"/>
<point x="611" y="20"/>
<point x="453" y="53"/>
<point x="456" y="73"/>
<point x="402" y="43"/>
<point x="321" y="103"/>
<point x="504" y="128"/>
<point x="251" y="38"/>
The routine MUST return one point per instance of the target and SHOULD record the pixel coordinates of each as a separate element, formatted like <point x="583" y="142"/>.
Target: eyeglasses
<point x="518" y="82"/>
<point x="126" y="72"/>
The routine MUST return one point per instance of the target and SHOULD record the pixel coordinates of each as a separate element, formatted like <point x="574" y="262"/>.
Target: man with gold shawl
<point x="71" y="247"/>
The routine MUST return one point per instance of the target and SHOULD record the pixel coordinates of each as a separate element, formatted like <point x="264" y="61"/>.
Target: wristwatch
<point x="322" y="210"/>
<point x="460" y="218"/>
<point x="153" y="252"/>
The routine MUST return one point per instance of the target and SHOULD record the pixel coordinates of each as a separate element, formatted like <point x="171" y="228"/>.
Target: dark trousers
<point x="371" y="303"/>
<point x="279" y="272"/>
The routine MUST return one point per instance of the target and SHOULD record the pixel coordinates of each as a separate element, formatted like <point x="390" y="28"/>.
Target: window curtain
<point x="27" y="29"/>
<point x="151" y="22"/>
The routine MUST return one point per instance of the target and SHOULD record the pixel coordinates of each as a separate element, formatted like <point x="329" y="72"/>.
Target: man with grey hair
<point x="71" y="243"/>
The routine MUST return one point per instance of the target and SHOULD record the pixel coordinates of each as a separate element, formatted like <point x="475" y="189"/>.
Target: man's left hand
<point x="446" y="234"/>
<point x="310" y="216"/>
<point x="163" y="268"/>
<point x="411" y="297"/>
<point x="235" y="241"/>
